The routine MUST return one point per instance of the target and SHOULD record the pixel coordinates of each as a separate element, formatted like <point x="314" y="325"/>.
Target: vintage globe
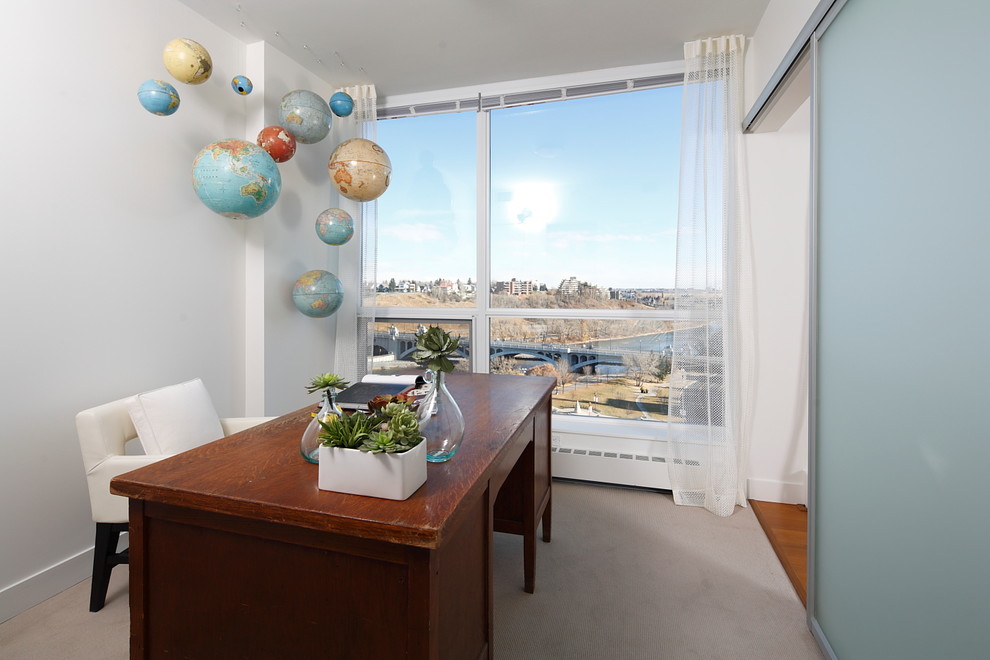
<point x="341" y="104"/>
<point x="317" y="293"/>
<point x="360" y="169"/>
<point x="187" y="61"/>
<point x="306" y="115"/>
<point x="236" y="179"/>
<point x="278" y="142"/>
<point x="158" y="97"/>
<point x="335" y="226"/>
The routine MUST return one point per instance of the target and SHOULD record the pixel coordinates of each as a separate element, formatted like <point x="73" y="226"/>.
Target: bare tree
<point x="564" y="373"/>
<point x="637" y="366"/>
<point x="503" y="364"/>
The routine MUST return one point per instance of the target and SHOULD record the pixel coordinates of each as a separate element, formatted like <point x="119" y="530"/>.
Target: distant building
<point x="514" y="287"/>
<point x="569" y="287"/>
<point x="572" y="287"/>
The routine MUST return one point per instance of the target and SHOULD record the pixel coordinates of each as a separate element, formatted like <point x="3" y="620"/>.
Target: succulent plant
<point x="347" y="431"/>
<point x="382" y="400"/>
<point x="325" y="382"/>
<point x="381" y="442"/>
<point x="392" y="429"/>
<point x="434" y="347"/>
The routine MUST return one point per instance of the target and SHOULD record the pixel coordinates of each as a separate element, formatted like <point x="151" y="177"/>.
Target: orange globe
<point x="278" y="142"/>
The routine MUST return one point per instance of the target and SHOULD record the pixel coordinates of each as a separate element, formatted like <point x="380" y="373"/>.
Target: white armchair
<point x="103" y="431"/>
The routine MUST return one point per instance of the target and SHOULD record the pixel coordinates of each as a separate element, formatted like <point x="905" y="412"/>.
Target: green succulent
<point x="434" y="347"/>
<point x="325" y="382"/>
<point x="381" y="442"/>
<point x="346" y="431"/>
<point x="402" y="422"/>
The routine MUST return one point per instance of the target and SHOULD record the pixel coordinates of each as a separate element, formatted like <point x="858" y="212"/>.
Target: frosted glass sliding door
<point x="901" y="431"/>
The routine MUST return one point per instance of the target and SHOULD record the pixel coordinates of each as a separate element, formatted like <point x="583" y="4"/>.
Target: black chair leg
<point x="105" y="557"/>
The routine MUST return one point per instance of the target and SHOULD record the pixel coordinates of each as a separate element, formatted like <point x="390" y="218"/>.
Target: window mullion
<point x="481" y="297"/>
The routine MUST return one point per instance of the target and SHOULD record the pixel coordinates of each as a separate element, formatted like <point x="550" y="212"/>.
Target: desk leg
<point x="529" y="518"/>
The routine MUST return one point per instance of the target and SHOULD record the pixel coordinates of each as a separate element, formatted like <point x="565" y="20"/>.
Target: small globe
<point x="341" y="104"/>
<point x="306" y="115"/>
<point x="158" y="97"/>
<point x="360" y="169"/>
<point x="335" y="226"/>
<point x="317" y="293"/>
<point x="278" y="142"/>
<point x="187" y="61"/>
<point x="236" y="179"/>
<point x="242" y="85"/>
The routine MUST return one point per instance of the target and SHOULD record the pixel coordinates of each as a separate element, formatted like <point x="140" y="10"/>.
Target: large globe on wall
<point x="187" y="61"/>
<point x="360" y="169"/>
<point x="306" y="115"/>
<point x="335" y="226"/>
<point x="317" y="293"/>
<point x="236" y="179"/>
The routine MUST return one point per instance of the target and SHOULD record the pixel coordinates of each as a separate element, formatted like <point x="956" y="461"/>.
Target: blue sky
<point x="584" y="188"/>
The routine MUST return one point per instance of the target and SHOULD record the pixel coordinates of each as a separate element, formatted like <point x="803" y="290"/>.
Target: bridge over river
<point x="402" y="345"/>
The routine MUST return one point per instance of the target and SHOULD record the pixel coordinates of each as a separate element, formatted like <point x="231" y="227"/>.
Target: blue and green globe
<point x="236" y="179"/>
<point x="158" y="97"/>
<point x="335" y="226"/>
<point x="306" y="115"/>
<point x="317" y="293"/>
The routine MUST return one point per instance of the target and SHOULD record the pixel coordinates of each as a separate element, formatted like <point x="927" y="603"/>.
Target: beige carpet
<point x="627" y="576"/>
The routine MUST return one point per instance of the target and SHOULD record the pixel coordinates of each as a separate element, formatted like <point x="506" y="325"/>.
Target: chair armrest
<point x="233" y="425"/>
<point x="105" y="506"/>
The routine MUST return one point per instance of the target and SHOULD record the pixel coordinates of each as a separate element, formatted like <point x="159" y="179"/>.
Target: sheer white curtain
<point x="356" y="316"/>
<point x="708" y="429"/>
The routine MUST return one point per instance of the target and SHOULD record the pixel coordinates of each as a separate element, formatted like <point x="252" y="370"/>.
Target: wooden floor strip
<point x="786" y="525"/>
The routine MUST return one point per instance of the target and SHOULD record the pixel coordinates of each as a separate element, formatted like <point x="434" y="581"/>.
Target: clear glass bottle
<point x="309" y="445"/>
<point x="440" y="419"/>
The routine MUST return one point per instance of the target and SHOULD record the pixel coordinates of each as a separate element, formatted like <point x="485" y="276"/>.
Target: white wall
<point x="116" y="278"/>
<point x="779" y="184"/>
<point x="295" y="347"/>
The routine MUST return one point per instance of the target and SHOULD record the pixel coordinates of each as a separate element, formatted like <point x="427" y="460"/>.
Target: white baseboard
<point x="41" y="586"/>
<point x="766" y="490"/>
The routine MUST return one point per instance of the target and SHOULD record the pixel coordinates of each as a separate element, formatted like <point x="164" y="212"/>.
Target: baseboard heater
<point x="606" y="466"/>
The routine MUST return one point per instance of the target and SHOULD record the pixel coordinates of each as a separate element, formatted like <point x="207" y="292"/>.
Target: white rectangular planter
<point x="389" y="476"/>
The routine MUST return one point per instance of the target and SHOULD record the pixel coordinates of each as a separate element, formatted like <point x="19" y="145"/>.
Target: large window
<point x="566" y="266"/>
<point x="427" y="240"/>
<point x="584" y="202"/>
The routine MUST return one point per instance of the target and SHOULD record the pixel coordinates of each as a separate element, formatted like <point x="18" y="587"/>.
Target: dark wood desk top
<point x="259" y="474"/>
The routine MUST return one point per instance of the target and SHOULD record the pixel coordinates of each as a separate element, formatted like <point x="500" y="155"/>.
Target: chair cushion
<point x="174" y="418"/>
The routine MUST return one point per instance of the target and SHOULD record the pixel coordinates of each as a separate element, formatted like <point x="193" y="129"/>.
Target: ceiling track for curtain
<point x="528" y="98"/>
<point x="792" y="67"/>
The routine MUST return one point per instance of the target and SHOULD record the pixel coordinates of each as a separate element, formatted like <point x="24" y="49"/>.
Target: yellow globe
<point x="187" y="61"/>
<point x="360" y="169"/>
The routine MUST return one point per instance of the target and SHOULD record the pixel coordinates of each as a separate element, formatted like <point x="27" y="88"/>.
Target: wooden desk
<point x="235" y="553"/>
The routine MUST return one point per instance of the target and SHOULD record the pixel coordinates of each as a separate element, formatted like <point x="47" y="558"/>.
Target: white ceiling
<point x="405" y="46"/>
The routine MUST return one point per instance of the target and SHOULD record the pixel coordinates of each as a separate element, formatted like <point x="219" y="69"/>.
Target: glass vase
<point x="309" y="445"/>
<point x="440" y="419"/>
